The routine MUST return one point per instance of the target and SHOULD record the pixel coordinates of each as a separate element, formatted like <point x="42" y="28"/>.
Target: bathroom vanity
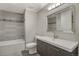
<point x="47" y="46"/>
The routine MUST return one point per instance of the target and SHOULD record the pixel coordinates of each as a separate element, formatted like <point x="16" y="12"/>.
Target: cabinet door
<point x="46" y="49"/>
<point x="41" y="48"/>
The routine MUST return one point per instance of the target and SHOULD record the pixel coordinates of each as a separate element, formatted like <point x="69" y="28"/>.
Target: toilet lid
<point x="30" y="45"/>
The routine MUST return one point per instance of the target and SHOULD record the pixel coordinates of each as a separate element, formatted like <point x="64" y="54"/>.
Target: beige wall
<point x="42" y="21"/>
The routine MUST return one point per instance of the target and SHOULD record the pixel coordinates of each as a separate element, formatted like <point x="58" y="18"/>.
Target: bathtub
<point x="12" y="47"/>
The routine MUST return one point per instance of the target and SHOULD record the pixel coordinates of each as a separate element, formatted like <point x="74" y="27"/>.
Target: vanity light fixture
<point x="54" y="5"/>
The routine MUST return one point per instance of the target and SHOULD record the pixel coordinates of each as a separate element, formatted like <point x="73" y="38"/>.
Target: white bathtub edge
<point x="11" y="42"/>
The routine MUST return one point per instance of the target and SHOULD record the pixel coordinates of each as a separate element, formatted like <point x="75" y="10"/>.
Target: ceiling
<point x="20" y="7"/>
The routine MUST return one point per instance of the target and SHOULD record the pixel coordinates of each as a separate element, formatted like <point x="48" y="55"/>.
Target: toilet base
<point x="25" y="52"/>
<point x="32" y="51"/>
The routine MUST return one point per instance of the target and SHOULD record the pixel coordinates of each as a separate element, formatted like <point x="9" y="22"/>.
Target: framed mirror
<point x="61" y="21"/>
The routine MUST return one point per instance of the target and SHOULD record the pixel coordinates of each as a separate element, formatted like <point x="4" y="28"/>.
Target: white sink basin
<point x="44" y="37"/>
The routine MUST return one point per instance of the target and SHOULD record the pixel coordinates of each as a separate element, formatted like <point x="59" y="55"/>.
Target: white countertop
<point x="61" y="43"/>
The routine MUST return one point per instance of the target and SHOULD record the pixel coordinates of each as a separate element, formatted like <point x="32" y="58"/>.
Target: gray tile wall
<point x="11" y="26"/>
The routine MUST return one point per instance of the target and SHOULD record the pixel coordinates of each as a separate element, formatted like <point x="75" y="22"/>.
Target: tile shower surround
<point x="11" y="26"/>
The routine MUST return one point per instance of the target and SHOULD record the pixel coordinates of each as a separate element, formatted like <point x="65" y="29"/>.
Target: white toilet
<point x="31" y="47"/>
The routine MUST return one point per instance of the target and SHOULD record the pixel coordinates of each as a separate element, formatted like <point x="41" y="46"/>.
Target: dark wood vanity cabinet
<point x="46" y="49"/>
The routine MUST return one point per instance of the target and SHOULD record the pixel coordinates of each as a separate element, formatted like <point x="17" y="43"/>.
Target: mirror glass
<point x="62" y="21"/>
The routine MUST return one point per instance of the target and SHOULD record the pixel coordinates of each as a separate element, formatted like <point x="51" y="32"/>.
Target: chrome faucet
<point x="55" y="36"/>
